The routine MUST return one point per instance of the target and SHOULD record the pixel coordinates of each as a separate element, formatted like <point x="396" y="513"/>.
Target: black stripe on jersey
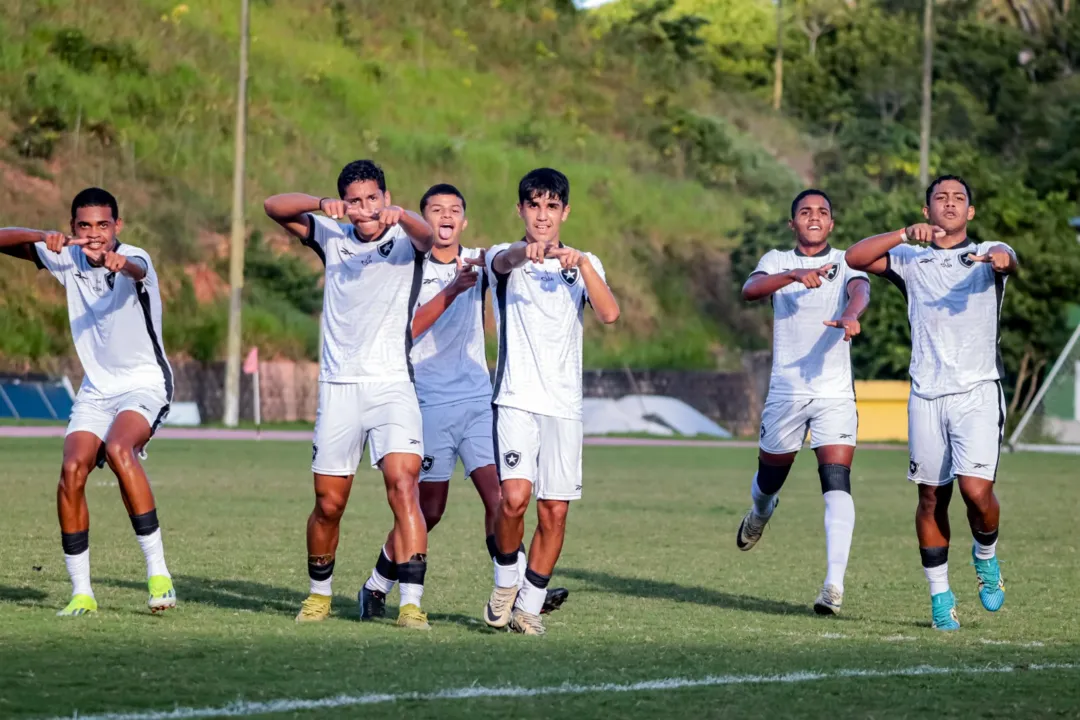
<point x="309" y="239"/>
<point x="999" y="288"/>
<point x="158" y="420"/>
<point x="483" y="296"/>
<point x="414" y="293"/>
<point x="1001" y="424"/>
<point x="159" y="355"/>
<point x="495" y="440"/>
<point x="33" y="256"/>
<point x="501" y="283"/>
<point x="892" y="276"/>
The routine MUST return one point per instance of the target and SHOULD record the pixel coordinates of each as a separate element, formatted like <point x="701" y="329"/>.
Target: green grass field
<point x="658" y="591"/>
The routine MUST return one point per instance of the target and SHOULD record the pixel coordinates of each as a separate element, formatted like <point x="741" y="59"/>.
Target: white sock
<point x="763" y="503"/>
<point x="411" y="594"/>
<point x="507" y="575"/>
<point x="379" y="583"/>
<point x="939" y="578"/>
<point x="531" y="598"/>
<point x="154" y="552"/>
<point x="322" y="587"/>
<point x="78" y="567"/>
<point x="839" y="526"/>
<point x="985" y="552"/>
<point x="522" y="566"/>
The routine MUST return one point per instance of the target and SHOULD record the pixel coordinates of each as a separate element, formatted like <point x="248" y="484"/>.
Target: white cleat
<point x="751" y="528"/>
<point x="829" y="601"/>
<point x="525" y="623"/>
<point x="500" y="606"/>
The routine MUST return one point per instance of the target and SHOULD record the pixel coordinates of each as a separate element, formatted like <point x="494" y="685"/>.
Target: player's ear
<point x="565" y="213"/>
<point x="465" y="223"/>
<point x="388" y="200"/>
<point x="119" y="225"/>
<point x="926" y="212"/>
<point x="521" y="211"/>
<point x="971" y="212"/>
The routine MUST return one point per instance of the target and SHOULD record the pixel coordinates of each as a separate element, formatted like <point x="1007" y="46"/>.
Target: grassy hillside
<point x="140" y="96"/>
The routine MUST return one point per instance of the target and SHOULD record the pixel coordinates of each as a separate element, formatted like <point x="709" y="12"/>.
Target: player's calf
<point x="764" y="494"/>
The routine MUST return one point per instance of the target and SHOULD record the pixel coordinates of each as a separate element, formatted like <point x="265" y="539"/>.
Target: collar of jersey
<point x="824" y="251"/>
<point x="435" y="260"/>
<point x="372" y="241"/>
<point x="964" y="244"/>
<point x="102" y="265"/>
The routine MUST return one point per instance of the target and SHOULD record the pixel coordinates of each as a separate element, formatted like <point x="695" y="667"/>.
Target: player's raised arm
<point x="762" y="285"/>
<point x="516" y="255"/>
<point x="871" y="254"/>
<point x="1000" y="257"/>
<point x="432" y="310"/>
<point x="19" y="242"/>
<point x="290" y="211"/>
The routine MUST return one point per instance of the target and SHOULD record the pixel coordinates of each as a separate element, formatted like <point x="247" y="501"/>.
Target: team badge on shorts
<point x="427" y="463"/>
<point x="386" y="248"/>
<point x="762" y="429"/>
<point x="314" y="452"/>
<point x="511" y="458"/>
<point x="570" y="276"/>
<point x="912" y="468"/>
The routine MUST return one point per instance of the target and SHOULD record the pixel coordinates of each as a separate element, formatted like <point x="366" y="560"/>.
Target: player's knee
<point x="330" y="506"/>
<point x="432" y="515"/>
<point x="515" y="502"/>
<point x="553" y="515"/>
<point x="770" y="478"/>
<point x="73" y="476"/>
<point x="929" y="501"/>
<point x="980" y="495"/>
<point x="119" y="455"/>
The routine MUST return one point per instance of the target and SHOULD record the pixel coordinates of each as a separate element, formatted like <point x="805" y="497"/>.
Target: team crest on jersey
<point x="427" y="463"/>
<point x="386" y="248"/>
<point x="110" y="280"/>
<point x="511" y="458"/>
<point x="570" y="276"/>
<point x="965" y="259"/>
<point x="833" y="272"/>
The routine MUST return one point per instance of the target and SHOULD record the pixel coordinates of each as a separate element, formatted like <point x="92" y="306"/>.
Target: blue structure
<point x="35" y="397"/>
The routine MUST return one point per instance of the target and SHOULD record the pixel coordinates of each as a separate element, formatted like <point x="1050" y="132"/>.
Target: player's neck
<point x="446" y="255"/>
<point x="813" y="250"/>
<point x="951" y="240"/>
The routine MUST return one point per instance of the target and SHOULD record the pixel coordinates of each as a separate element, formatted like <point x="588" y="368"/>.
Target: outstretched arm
<point x="290" y="211"/>
<point x="1001" y="258"/>
<point x="762" y="285"/>
<point x="858" y="290"/>
<point x="432" y="310"/>
<point x="871" y="254"/>
<point x="516" y="255"/>
<point x="19" y="243"/>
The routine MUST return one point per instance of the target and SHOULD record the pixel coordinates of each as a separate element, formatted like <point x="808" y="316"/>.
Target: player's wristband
<point x="904" y="237"/>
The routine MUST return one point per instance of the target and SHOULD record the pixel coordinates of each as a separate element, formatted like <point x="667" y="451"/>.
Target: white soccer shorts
<point x="352" y="414"/>
<point x="542" y="449"/>
<point x="452" y="431"/>
<point x="94" y="413"/>
<point x="785" y="421"/>
<point x="956" y="435"/>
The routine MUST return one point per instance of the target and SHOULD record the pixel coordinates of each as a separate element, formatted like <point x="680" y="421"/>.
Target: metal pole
<point x="927" y="92"/>
<point x="236" y="243"/>
<point x="778" y="62"/>
<point x="1045" y="386"/>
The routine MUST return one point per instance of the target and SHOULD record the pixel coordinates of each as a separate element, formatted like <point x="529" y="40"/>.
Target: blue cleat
<point x="943" y="608"/>
<point x="991" y="584"/>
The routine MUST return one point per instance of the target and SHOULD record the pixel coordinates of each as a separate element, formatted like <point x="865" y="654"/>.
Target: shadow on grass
<point x="248" y="596"/>
<point x="657" y="589"/>
<point x="30" y="597"/>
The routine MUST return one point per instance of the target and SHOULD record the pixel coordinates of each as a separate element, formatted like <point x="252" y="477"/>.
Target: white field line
<point x="243" y="708"/>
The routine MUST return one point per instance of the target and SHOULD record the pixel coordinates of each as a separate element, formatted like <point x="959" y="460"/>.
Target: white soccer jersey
<point x="953" y="307"/>
<point x="368" y="299"/>
<point x="449" y="359"/>
<point x="115" y="321"/>
<point x="809" y="358"/>
<point x="539" y="310"/>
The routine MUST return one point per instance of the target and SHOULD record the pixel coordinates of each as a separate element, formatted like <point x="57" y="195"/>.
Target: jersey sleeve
<point x="852" y="274"/>
<point x="321" y="230"/>
<point x="599" y="267"/>
<point x="898" y="260"/>
<point x="141" y="257"/>
<point x="58" y="264"/>
<point x="766" y="265"/>
<point x="489" y="258"/>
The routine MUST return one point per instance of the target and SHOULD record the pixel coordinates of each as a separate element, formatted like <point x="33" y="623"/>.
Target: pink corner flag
<point x="251" y="364"/>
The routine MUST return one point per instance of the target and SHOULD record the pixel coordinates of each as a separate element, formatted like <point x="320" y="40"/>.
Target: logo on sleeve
<point x="570" y="277"/>
<point x="965" y="259"/>
<point x="427" y="463"/>
<point x="512" y="458"/>
<point x="386" y="248"/>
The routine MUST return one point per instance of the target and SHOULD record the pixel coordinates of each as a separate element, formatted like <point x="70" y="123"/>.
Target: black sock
<point x="146" y="523"/>
<point x="320" y="567"/>
<point x="386" y="567"/>
<point x="536" y="579"/>
<point x="75" y="543"/>
<point x="934" y="556"/>
<point x="412" y="572"/>
<point x="986" y="538"/>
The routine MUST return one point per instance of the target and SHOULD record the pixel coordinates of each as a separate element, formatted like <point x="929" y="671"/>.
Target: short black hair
<point x="359" y="171"/>
<point x="809" y="192"/>
<point x="441" y="189"/>
<point x="942" y="178"/>
<point x="544" y="181"/>
<point x="95" y="197"/>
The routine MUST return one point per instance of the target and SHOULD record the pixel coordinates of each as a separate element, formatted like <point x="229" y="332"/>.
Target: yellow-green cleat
<point x="79" y="605"/>
<point x="162" y="594"/>
<point x="315" y="608"/>
<point x="412" y="617"/>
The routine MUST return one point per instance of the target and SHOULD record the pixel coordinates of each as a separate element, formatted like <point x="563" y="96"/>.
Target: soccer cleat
<point x="991" y="584"/>
<point x="315" y="608"/>
<point x="829" y="601"/>
<point x="751" y="527"/>
<point x="525" y="623"/>
<point x="162" y="594"/>
<point x="943" y="609"/>
<point x="372" y="603"/>
<point x="554" y="600"/>
<point x="79" y="605"/>
<point x="499" y="608"/>
<point x="412" y="617"/>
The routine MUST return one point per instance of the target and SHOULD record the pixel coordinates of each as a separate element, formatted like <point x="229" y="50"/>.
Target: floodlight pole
<point x="238" y="236"/>
<point x="927" y="92"/>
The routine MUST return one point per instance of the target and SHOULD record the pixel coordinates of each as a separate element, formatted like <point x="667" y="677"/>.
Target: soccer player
<point x="453" y="385"/>
<point x="114" y="308"/>
<point x="541" y="287"/>
<point x="817" y="300"/>
<point x="956" y="413"/>
<point x="374" y="263"/>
